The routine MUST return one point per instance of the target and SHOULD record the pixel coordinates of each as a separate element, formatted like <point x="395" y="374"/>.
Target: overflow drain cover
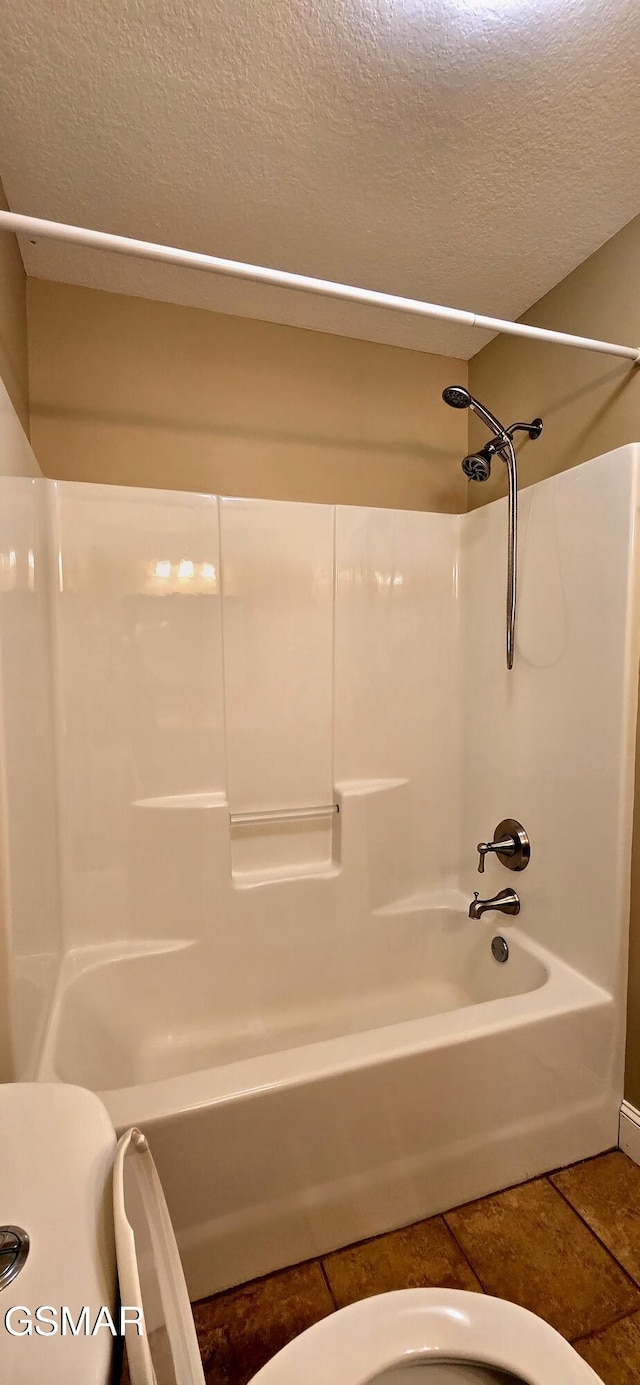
<point x="500" y="949"/>
<point x="14" y="1249"/>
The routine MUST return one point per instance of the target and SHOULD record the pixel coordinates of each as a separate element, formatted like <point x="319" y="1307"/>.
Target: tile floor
<point x="566" y="1246"/>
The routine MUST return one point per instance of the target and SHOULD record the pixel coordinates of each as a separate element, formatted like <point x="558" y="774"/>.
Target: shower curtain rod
<point x="302" y="283"/>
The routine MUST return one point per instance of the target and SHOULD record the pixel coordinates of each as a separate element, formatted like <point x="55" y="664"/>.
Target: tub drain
<point x="500" y="949"/>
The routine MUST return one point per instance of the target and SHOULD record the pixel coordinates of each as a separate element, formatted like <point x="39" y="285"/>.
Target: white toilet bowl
<point x="428" y="1337"/>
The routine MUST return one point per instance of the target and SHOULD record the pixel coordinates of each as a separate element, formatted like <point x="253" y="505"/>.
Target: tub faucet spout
<point x="506" y="902"/>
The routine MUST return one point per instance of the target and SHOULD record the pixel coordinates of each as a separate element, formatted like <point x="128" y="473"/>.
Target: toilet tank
<point x="56" y="1157"/>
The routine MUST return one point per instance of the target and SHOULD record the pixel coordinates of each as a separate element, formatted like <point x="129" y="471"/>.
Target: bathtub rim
<point x="564" y="990"/>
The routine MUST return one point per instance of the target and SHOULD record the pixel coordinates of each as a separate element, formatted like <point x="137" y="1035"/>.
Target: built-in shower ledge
<point x="81" y="959"/>
<point x="216" y="799"/>
<point x="347" y="788"/>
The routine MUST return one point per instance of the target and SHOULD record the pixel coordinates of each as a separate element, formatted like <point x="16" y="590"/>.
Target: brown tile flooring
<point x="566" y="1246"/>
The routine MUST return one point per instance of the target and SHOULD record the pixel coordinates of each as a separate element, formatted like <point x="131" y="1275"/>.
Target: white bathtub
<point x="406" y="1077"/>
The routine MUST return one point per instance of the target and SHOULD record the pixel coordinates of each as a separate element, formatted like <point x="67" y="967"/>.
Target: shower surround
<point x="251" y="746"/>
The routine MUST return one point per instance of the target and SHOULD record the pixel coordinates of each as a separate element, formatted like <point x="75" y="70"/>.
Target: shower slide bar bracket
<point x="283" y="814"/>
<point x="33" y="227"/>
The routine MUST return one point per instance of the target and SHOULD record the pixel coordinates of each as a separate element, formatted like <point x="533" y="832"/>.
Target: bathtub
<point x="406" y="1077"/>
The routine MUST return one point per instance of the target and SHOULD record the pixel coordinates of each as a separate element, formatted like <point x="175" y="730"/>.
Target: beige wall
<point x="134" y="392"/>
<point x="13" y="324"/>
<point x="590" y="404"/>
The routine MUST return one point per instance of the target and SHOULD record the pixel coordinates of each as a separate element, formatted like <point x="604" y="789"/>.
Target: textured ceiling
<point x="465" y="152"/>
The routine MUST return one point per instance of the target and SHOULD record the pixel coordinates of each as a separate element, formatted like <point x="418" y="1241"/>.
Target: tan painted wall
<point x="134" y="392"/>
<point x="13" y="324"/>
<point x="590" y="404"/>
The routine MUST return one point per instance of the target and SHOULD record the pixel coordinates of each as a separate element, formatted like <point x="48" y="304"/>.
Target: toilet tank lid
<point x="56" y="1159"/>
<point x="150" y="1273"/>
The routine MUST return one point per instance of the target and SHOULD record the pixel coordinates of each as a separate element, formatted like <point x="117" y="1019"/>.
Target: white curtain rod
<point x="278" y="278"/>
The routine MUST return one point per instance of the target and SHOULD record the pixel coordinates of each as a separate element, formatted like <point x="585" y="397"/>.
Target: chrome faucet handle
<point x="510" y="844"/>
<point x="506" y="846"/>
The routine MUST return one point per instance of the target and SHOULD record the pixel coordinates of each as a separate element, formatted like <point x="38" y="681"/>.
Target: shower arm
<point x="504" y="435"/>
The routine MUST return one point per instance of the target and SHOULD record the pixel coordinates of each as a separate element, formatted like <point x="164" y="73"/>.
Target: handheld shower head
<point x="457" y="397"/>
<point x="477" y="466"/>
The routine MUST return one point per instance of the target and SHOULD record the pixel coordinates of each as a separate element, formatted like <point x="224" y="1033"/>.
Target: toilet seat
<point x="150" y="1272"/>
<point x="353" y="1346"/>
<point x="409" y="1326"/>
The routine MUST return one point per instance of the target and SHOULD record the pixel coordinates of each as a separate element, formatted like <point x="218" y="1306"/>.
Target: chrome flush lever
<point x="510" y="844"/>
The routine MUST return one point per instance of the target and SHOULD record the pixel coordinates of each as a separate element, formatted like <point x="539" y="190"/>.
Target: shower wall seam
<point x="221" y="605"/>
<point x="53" y="557"/>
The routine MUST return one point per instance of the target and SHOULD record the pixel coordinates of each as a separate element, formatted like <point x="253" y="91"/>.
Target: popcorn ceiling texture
<point x="464" y="152"/>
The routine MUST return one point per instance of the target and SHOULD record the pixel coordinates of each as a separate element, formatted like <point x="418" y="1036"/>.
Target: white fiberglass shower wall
<point x="216" y="664"/>
<point x="279" y="731"/>
<point x="557" y="737"/>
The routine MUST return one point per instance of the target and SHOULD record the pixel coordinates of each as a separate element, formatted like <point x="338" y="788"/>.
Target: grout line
<point x="597" y="1332"/>
<point x="326" y="1280"/>
<point x="464" y="1253"/>
<point x="596" y="1237"/>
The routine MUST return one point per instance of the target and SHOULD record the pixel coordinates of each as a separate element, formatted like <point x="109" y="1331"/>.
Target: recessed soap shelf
<point x="269" y="844"/>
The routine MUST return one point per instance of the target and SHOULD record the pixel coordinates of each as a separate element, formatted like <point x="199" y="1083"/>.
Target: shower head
<point x="457" y="397"/>
<point x="477" y="466"/>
